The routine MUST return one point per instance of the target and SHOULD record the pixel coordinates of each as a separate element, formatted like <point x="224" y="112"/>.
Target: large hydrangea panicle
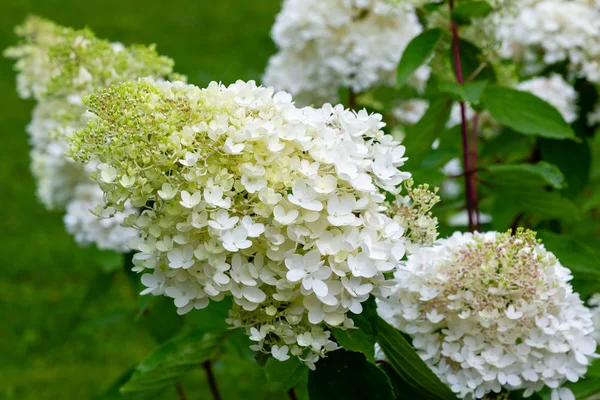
<point x="491" y="312"/>
<point x="325" y="45"/>
<point x="54" y="60"/>
<point x="56" y="67"/>
<point x="247" y="196"/>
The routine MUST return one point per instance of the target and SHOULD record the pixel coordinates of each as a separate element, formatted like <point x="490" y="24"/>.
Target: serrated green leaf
<point x="572" y="254"/>
<point x="168" y="362"/>
<point x="346" y="375"/>
<point x="537" y="201"/>
<point x="525" y="113"/>
<point x="287" y="373"/>
<point x="526" y="175"/>
<point x="420" y="136"/>
<point x="464" y="12"/>
<point x="469" y="92"/>
<point x="416" y="53"/>
<point x="407" y="363"/>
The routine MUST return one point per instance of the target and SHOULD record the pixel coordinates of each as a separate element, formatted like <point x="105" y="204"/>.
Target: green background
<point x="44" y="354"/>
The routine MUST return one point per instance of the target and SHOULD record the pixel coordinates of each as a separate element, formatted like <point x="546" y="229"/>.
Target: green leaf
<point x="420" y="136"/>
<point x="160" y="318"/>
<point x="416" y="53"/>
<point x="355" y="340"/>
<point x="540" y="174"/>
<point x="539" y="202"/>
<point x="113" y="393"/>
<point x="508" y="147"/>
<point x="287" y="373"/>
<point x="474" y="64"/>
<point x="168" y="362"/>
<point x="361" y="338"/>
<point x="464" y="12"/>
<point x="346" y="375"/>
<point x="574" y="160"/>
<point x="469" y="92"/>
<point x="407" y="363"/>
<point x="572" y="254"/>
<point x="525" y="113"/>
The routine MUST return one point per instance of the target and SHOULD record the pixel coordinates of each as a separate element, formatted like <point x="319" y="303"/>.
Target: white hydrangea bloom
<point x="57" y="66"/>
<point x="57" y="175"/>
<point x="491" y="311"/>
<point x="250" y="197"/>
<point x="326" y="45"/>
<point x="556" y="91"/>
<point x="544" y="32"/>
<point x="410" y="111"/>
<point x="104" y="230"/>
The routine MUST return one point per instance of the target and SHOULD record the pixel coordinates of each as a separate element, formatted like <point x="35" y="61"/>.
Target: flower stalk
<point x="212" y="382"/>
<point x="469" y="155"/>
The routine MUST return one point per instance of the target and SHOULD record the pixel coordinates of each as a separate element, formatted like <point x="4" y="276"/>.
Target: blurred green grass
<point x="44" y="273"/>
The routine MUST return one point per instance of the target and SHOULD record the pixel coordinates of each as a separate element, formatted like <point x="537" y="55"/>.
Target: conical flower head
<point x="247" y="196"/>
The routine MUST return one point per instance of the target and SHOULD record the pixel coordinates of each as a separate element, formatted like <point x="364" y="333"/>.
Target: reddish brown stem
<point x="180" y="391"/>
<point x="472" y="175"/>
<point x="470" y="193"/>
<point x="210" y="377"/>
<point x="351" y="99"/>
<point x="292" y="394"/>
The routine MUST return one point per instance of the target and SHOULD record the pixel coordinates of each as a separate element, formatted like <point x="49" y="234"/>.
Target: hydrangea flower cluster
<point x="247" y="196"/>
<point x="556" y="91"/>
<point x="103" y="227"/>
<point x="325" y="45"/>
<point x="57" y="66"/>
<point x="545" y="32"/>
<point x="492" y="311"/>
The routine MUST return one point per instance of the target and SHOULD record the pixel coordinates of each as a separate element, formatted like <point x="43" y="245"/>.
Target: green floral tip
<point x="53" y="60"/>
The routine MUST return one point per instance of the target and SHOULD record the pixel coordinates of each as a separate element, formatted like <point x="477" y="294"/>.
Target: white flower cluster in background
<point x="250" y="197"/>
<point x="492" y="311"/>
<point x="545" y="32"/>
<point x="325" y="45"/>
<point x="556" y="91"/>
<point x="57" y="66"/>
<point x="104" y="230"/>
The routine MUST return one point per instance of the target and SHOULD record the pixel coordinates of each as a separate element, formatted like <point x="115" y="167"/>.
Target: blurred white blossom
<point x="332" y="44"/>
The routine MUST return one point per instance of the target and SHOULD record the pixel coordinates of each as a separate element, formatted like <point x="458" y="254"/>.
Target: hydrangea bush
<point x="295" y="214"/>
